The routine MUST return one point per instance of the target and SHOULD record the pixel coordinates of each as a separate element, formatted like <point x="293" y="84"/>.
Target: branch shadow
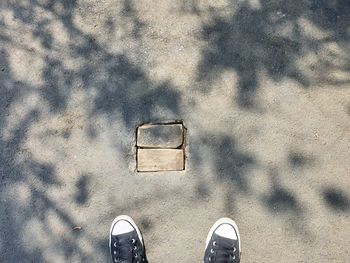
<point x="272" y="39"/>
<point x="231" y="166"/>
<point x="122" y="91"/>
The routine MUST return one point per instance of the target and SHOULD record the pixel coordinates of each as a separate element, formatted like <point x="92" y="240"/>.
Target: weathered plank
<point x="160" y="136"/>
<point x="150" y="160"/>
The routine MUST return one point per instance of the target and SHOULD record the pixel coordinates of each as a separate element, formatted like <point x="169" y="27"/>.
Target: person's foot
<point x="223" y="244"/>
<point x="125" y="241"/>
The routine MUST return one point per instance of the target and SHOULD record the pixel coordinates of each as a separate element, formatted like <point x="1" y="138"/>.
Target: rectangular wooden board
<point x="160" y="136"/>
<point x="152" y="160"/>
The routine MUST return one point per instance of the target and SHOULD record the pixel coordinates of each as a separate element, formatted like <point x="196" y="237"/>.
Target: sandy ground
<point x="263" y="88"/>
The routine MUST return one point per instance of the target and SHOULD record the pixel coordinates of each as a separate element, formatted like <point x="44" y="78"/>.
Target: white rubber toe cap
<point x="122" y="227"/>
<point x="227" y="231"/>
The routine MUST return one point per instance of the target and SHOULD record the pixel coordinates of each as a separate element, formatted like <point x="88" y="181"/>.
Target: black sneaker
<point x="125" y="241"/>
<point x="223" y="244"/>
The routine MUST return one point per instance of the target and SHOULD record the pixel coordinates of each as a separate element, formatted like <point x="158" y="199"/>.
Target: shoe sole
<point x="223" y="220"/>
<point x="128" y="219"/>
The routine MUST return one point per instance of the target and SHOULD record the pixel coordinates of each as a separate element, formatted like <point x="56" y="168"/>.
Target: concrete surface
<point x="262" y="86"/>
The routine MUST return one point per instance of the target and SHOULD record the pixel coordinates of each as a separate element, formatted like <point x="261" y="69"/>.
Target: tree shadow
<point x="202" y="191"/>
<point x="300" y="160"/>
<point x="336" y="199"/>
<point x="281" y="201"/>
<point x="272" y="39"/>
<point x="31" y="178"/>
<point x="146" y="224"/>
<point x="122" y="91"/>
<point x="229" y="163"/>
<point x="129" y="12"/>
<point x="82" y="189"/>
